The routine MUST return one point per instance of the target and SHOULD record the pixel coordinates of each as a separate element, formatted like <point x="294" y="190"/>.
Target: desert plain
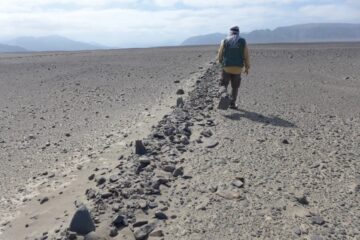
<point x="285" y="165"/>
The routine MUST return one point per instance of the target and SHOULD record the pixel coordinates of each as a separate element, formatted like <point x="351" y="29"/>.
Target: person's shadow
<point x="256" y="117"/>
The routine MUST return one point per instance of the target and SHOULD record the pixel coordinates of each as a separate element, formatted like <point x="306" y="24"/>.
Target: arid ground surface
<point x="283" y="166"/>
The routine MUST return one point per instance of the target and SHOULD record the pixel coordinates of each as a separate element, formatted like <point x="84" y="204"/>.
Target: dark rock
<point x="71" y="235"/>
<point x="106" y="195"/>
<point x="224" y="102"/>
<point x="120" y="221"/>
<point x="357" y="188"/>
<point x="44" y="200"/>
<point x="317" y="220"/>
<point x="152" y="205"/>
<point x="114" y="178"/>
<point x="81" y="222"/>
<point x="302" y="199"/>
<point x="140" y="223"/>
<point x="169" y="168"/>
<point x="91" y="177"/>
<point x="285" y="141"/>
<point x="158" y="135"/>
<point x="178" y="172"/>
<point x="144" y="161"/>
<point x="207" y="133"/>
<point x="185" y="140"/>
<point x="143" y="232"/>
<point x="139" y="147"/>
<point x="212" y="144"/>
<point x="180" y="92"/>
<point x="101" y="180"/>
<point x="161" y="216"/>
<point x="90" y="193"/>
<point x="180" y="102"/>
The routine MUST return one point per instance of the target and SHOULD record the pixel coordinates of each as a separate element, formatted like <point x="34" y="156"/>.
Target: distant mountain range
<point x="47" y="43"/>
<point x="4" y="48"/>
<point x="313" y="32"/>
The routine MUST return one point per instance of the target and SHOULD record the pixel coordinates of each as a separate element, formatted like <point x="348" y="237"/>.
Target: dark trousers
<point x="235" y="80"/>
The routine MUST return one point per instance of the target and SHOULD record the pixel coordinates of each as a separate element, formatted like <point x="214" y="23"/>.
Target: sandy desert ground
<point x="283" y="166"/>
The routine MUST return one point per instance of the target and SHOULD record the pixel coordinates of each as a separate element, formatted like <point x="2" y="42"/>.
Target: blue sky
<point x="128" y="23"/>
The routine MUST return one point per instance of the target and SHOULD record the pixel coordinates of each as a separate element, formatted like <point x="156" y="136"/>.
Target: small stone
<point x="67" y="134"/>
<point x="224" y="102"/>
<point x="106" y="195"/>
<point x="139" y="147"/>
<point x="229" y="195"/>
<point x="71" y="235"/>
<point x="101" y="180"/>
<point x="44" y="200"/>
<point x="213" y="189"/>
<point x="285" y="141"/>
<point x="297" y="231"/>
<point x="140" y="223"/>
<point x="302" y="199"/>
<point x="161" y="216"/>
<point x="114" y="178"/>
<point x="212" y="144"/>
<point x="120" y="221"/>
<point x="90" y="193"/>
<point x="178" y="172"/>
<point x="180" y="92"/>
<point x="169" y="168"/>
<point x="82" y="222"/>
<point x="207" y="133"/>
<point x="157" y="233"/>
<point x="113" y="232"/>
<point x="238" y="183"/>
<point x="142" y="203"/>
<point x="317" y="220"/>
<point x="152" y="205"/>
<point x="91" y="177"/>
<point x="143" y="232"/>
<point x="180" y="102"/>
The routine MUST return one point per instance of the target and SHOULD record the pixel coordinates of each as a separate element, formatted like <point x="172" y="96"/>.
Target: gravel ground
<point x="283" y="166"/>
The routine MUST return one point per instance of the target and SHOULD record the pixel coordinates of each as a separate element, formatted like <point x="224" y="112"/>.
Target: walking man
<point x="234" y="57"/>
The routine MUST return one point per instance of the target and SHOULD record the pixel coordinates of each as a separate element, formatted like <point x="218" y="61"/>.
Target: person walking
<point x="233" y="55"/>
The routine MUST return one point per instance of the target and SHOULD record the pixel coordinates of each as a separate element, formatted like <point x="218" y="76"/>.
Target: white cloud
<point x="223" y="3"/>
<point x="140" y="22"/>
<point x="330" y="12"/>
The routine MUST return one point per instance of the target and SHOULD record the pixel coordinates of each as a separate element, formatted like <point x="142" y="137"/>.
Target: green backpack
<point x="234" y="55"/>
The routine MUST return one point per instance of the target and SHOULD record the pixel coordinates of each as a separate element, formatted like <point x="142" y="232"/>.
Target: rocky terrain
<point x="283" y="166"/>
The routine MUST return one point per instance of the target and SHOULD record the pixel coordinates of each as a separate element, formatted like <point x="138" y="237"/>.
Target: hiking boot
<point x="233" y="106"/>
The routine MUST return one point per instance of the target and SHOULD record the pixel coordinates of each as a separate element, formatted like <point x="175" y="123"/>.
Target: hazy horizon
<point x="146" y="23"/>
